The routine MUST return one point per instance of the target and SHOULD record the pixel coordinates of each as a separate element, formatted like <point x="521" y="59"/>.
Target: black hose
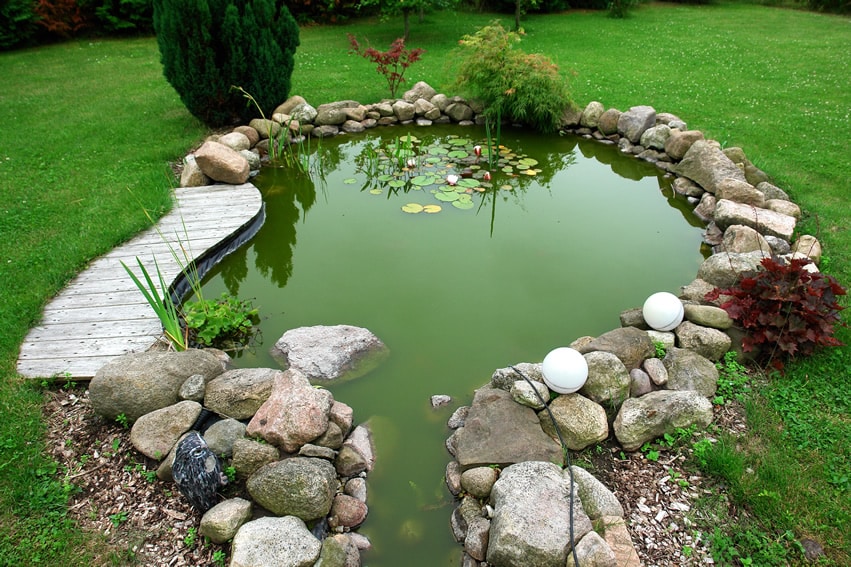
<point x="566" y="452"/>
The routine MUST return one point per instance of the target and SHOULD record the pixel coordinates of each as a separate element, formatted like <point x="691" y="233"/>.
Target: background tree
<point x="209" y="46"/>
<point x="390" y="8"/>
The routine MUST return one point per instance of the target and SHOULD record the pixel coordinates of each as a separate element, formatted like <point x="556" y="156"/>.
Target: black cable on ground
<point x="566" y="452"/>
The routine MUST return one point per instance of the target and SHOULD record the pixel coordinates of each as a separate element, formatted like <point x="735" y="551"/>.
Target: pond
<point x="555" y="250"/>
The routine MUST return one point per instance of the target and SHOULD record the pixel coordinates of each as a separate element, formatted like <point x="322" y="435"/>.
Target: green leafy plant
<point x="118" y="518"/>
<point x="784" y="307"/>
<point x="512" y="84"/>
<point x="221" y="323"/>
<point x="391" y="64"/>
<point x="122" y="420"/>
<point x="219" y="557"/>
<point x="191" y="536"/>
<point x="733" y="380"/>
<point x="660" y="349"/>
<point x="161" y="302"/>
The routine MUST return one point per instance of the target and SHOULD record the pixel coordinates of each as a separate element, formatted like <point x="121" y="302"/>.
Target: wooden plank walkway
<point x="101" y="314"/>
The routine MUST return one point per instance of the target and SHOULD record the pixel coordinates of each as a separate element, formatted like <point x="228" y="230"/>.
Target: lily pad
<point x="413" y="208"/>
<point x="408" y="138"/>
<point x="434" y="159"/>
<point x="396" y="183"/>
<point x="384" y="177"/>
<point x="463" y="205"/>
<point x="459" y="142"/>
<point x="376" y="191"/>
<point x="530" y="172"/>
<point x="437" y="150"/>
<point x="528" y="162"/>
<point x="350" y="181"/>
<point x="423" y="180"/>
<point x="446" y="197"/>
<point x="431" y="209"/>
<point x="458" y="154"/>
<point x="468" y="182"/>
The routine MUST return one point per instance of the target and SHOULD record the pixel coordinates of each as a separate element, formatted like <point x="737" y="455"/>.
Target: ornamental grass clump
<point x="512" y="84"/>
<point x="785" y="309"/>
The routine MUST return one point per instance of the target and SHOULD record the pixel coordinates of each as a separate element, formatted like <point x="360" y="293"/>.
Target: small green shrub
<point x="208" y="46"/>
<point x="17" y="23"/>
<point x="512" y="84"/>
<point x="226" y="322"/>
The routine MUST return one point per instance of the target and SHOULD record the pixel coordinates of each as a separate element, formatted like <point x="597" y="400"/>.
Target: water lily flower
<point x="452" y="179"/>
<point x="487" y="176"/>
<point x="477" y="150"/>
<point x="412" y="162"/>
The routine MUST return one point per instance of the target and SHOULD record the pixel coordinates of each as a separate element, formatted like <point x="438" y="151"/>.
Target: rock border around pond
<point x="630" y="393"/>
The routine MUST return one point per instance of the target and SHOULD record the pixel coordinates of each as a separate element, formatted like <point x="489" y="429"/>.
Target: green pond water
<point x="455" y="294"/>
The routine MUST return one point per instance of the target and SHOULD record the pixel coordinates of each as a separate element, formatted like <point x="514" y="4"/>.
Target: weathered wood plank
<point x="101" y="314"/>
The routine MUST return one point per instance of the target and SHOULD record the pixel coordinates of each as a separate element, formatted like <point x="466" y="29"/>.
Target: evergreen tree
<point x="208" y="47"/>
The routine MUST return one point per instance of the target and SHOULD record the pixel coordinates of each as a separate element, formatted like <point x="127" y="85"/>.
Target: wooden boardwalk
<point x="101" y="314"/>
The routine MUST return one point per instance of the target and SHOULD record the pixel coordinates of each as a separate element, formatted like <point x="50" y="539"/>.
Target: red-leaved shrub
<point x="61" y="17"/>
<point x="785" y="309"/>
<point x="391" y="63"/>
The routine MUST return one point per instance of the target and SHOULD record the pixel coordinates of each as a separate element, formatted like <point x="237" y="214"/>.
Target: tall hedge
<point x="208" y="47"/>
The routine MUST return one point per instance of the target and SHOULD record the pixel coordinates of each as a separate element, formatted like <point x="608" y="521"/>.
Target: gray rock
<point x="283" y="542"/>
<point x="332" y="438"/>
<point x="664" y="411"/>
<point x="680" y="141"/>
<point x="740" y="238"/>
<point x="325" y="131"/>
<point x="708" y="316"/>
<point x="635" y="121"/>
<point x="656" y="136"/>
<point x="441" y="101"/>
<point x="250" y="133"/>
<point x="705" y="341"/>
<point x="695" y="290"/>
<point x="724" y="269"/>
<point x="420" y="90"/>
<point x="359" y="443"/>
<point x="530" y="523"/>
<point x="591" y="115"/>
<point x="347" y="512"/>
<point x="476" y="541"/>
<point x="687" y="187"/>
<point x="239" y="393"/>
<point x="478" y="481"/>
<point x="289" y="105"/>
<point x="440" y="400"/>
<point x="333" y="114"/>
<point x="249" y="455"/>
<point x="253" y="159"/>
<point x="341" y="414"/>
<point x="235" y="141"/>
<point x="266" y="129"/>
<point x="294" y="414"/>
<point x="303" y="113"/>
<point x="629" y="344"/>
<point x="705" y="209"/>
<point x="608" y="380"/>
<point x="139" y="383"/>
<point x="504" y="378"/>
<point x="707" y="166"/>
<point x="593" y="551"/>
<point x="688" y="370"/>
<point x="352" y="127"/>
<point x="154" y="434"/>
<point x="787" y="208"/>
<point x="328" y="353"/>
<point x="221" y="522"/>
<point x="356" y="488"/>
<point x="193" y="388"/>
<point x="403" y="110"/>
<point x="221" y="436"/>
<point x="339" y="550"/>
<point x="740" y="192"/>
<point x="639" y="383"/>
<point x="298" y="486"/>
<point x="422" y="107"/>
<point x="597" y="500"/>
<point x="581" y="421"/>
<point x="767" y="222"/>
<point x="779" y="246"/>
<point x="499" y="431"/>
<point x="809" y="246"/>
<point x="530" y="395"/>
<point x="772" y="191"/>
<point x="656" y="371"/>
<point x="459" y="112"/>
<point x="192" y="176"/>
<point x="632" y="318"/>
<point x="318" y="451"/>
<point x="452" y="476"/>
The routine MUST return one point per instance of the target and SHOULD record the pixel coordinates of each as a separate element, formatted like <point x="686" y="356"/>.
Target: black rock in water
<point x="197" y="472"/>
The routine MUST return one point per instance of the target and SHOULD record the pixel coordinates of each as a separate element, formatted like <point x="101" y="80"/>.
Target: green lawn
<point x="87" y="130"/>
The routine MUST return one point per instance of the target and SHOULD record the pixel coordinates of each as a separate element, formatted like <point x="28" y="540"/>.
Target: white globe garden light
<point x="565" y="370"/>
<point x="663" y="311"/>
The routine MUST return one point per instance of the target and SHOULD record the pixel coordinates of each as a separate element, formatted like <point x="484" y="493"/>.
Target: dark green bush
<point x="208" y="47"/>
<point x="835" y="6"/>
<point x="121" y="16"/>
<point x="17" y="23"/>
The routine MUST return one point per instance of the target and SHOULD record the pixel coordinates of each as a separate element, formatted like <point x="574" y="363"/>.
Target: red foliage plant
<point x="61" y="17"/>
<point x="786" y="305"/>
<point x="391" y="63"/>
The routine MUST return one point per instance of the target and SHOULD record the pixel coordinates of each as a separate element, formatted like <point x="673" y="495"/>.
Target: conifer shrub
<point x="511" y="83"/>
<point x="17" y="23"/>
<point x="208" y="47"/>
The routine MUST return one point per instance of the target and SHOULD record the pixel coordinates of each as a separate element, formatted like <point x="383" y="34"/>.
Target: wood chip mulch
<point x="148" y="523"/>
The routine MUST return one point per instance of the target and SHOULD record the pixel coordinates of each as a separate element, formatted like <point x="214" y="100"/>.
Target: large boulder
<point x="420" y="90"/>
<point x="629" y="344"/>
<point x="154" y="434"/>
<point x="597" y="500"/>
<point x="499" y="431"/>
<point x="705" y="164"/>
<point x="679" y="142"/>
<point x="221" y="163"/>
<point x="139" y="383"/>
<point x="221" y="522"/>
<point x="327" y="353"/>
<point x="708" y="342"/>
<point x="740" y="238"/>
<point x="300" y="486"/>
<point x="591" y="115"/>
<point x="664" y="411"/>
<point x="283" y="542"/>
<point x="725" y="269"/>
<point x="728" y="213"/>
<point x="608" y="379"/>
<point x="635" y="121"/>
<point x="688" y="370"/>
<point x="294" y="414"/>
<point x="532" y="509"/>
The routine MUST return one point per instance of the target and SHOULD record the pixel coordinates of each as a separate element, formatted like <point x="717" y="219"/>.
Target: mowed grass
<point x="87" y="130"/>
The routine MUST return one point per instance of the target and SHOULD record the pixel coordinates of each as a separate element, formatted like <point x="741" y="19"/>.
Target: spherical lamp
<point x="663" y="311"/>
<point x="565" y="370"/>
